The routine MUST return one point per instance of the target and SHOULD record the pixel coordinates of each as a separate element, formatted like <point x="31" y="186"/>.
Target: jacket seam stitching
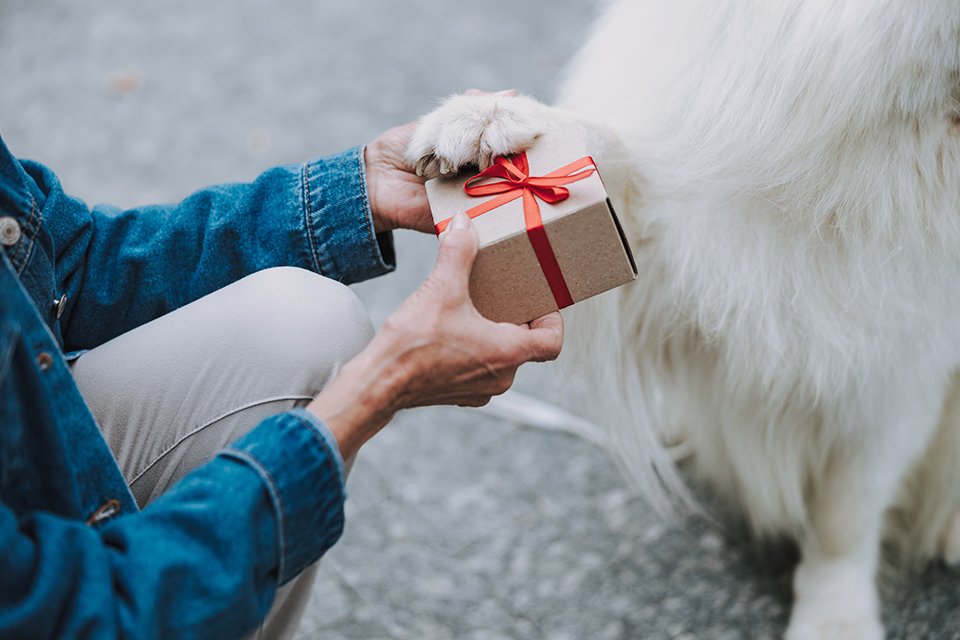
<point x="369" y="222"/>
<point x="275" y="496"/>
<point x="32" y="228"/>
<point x="323" y="442"/>
<point x="308" y="217"/>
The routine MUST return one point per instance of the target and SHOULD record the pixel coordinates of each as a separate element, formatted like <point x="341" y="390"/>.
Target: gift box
<point x="548" y="234"/>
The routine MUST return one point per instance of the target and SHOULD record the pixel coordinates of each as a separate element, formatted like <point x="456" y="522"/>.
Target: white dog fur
<point x="789" y="173"/>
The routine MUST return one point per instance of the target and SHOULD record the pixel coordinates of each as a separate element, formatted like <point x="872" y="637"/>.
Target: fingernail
<point x="460" y="221"/>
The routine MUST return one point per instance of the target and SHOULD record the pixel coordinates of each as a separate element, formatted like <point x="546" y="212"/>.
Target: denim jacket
<point x="77" y="558"/>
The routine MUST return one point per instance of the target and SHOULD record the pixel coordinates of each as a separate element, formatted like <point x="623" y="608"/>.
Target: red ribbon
<point x="517" y="182"/>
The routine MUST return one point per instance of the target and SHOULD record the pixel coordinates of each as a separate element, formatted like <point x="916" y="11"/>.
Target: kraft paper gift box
<point x="548" y="235"/>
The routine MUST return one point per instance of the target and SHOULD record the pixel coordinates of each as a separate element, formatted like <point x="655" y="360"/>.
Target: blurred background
<point x="460" y="525"/>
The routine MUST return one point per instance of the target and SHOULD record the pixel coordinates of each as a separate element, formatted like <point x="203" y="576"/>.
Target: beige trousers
<point x="169" y="394"/>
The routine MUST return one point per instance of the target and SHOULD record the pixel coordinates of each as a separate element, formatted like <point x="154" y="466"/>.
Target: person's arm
<point x="203" y="561"/>
<point x="434" y="349"/>
<point x="122" y="268"/>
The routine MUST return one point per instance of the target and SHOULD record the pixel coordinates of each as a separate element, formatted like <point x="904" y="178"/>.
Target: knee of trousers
<point x="301" y="320"/>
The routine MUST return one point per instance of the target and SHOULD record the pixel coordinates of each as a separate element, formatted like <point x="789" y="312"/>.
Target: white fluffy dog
<point x="789" y="172"/>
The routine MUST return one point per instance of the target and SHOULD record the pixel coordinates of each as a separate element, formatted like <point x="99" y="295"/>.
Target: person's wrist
<point x="358" y="402"/>
<point x="383" y="370"/>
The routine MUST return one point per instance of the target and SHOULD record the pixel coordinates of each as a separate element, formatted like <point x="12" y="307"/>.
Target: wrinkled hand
<point x="398" y="199"/>
<point x="435" y="348"/>
<point x="451" y="354"/>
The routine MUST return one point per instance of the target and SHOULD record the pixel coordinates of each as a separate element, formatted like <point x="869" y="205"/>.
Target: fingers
<point x="545" y="337"/>
<point x="483" y="392"/>
<point x="458" y="250"/>
<point x="552" y="320"/>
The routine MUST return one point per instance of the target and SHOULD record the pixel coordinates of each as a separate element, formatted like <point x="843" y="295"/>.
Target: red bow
<point x="517" y="182"/>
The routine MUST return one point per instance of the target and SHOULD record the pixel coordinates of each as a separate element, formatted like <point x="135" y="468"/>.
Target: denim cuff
<point x="297" y="457"/>
<point x="339" y="223"/>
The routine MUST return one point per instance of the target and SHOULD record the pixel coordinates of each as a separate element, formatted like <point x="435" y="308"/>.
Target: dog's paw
<point x="837" y="620"/>
<point x="834" y="601"/>
<point x="846" y="629"/>
<point x="474" y="130"/>
<point x="950" y="541"/>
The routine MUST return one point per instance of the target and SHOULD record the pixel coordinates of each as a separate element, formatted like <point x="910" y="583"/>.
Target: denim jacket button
<point x="9" y="231"/>
<point x="44" y="360"/>
<point x="105" y="511"/>
<point x="59" y="305"/>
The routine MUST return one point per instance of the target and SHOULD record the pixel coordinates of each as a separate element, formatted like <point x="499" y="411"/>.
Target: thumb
<point x="458" y="250"/>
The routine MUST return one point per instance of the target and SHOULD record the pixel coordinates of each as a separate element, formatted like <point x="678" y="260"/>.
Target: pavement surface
<point x="459" y="525"/>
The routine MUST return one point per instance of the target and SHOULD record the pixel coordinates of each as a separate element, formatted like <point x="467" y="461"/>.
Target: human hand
<point x="398" y="199"/>
<point x="435" y="348"/>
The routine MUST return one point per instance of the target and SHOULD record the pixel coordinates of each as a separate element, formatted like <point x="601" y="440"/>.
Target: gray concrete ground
<point x="460" y="526"/>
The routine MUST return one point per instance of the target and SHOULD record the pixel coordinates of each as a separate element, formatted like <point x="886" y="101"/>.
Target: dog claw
<point x="422" y="164"/>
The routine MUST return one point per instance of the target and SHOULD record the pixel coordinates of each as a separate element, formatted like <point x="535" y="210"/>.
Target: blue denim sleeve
<point x="249" y="520"/>
<point x="122" y="268"/>
<point x="307" y="499"/>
